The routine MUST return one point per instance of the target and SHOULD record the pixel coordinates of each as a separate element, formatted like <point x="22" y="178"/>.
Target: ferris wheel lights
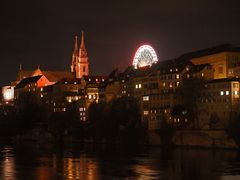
<point x="144" y="56"/>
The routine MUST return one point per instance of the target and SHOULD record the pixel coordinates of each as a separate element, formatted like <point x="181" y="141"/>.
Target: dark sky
<point x="41" y="32"/>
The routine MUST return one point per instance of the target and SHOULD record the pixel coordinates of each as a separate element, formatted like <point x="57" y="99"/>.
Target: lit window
<point x="45" y="84"/>
<point x="164" y="84"/>
<point x="177" y="76"/>
<point x="65" y="82"/>
<point x="187" y="68"/>
<point x="221" y="93"/>
<point x="177" y="83"/>
<point x="80" y="109"/>
<point x="227" y="92"/>
<point x="102" y="80"/>
<point x="90" y="96"/>
<point x="145" y="98"/>
<point x="41" y="89"/>
<point x="170" y="70"/>
<point x="96" y="80"/>
<point x="202" y="74"/>
<point x="145" y="112"/>
<point x="75" y="82"/>
<point x="136" y="86"/>
<point x="236" y="92"/>
<point x="170" y="85"/>
<point x="70" y="100"/>
<point x="41" y="95"/>
<point x="176" y="69"/>
<point x="64" y="109"/>
<point x="188" y="76"/>
<point x="140" y="85"/>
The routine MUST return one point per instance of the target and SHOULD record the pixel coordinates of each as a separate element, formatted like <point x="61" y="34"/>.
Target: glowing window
<point x="164" y="84"/>
<point x="221" y="93"/>
<point x="136" y="86"/>
<point x="145" y="112"/>
<point x="145" y="98"/>
<point x="177" y="83"/>
<point x="140" y="85"/>
<point x="227" y="92"/>
<point x="236" y="92"/>
<point x="177" y="76"/>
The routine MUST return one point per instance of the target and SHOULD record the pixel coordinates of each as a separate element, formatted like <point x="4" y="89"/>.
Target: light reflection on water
<point x="92" y="163"/>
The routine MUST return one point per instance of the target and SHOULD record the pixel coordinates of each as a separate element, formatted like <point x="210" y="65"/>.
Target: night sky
<point x="42" y="32"/>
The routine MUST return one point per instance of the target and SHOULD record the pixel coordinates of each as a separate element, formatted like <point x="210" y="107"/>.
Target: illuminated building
<point x="224" y="59"/>
<point x="58" y="90"/>
<point x="220" y="103"/>
<point x="79" y="65"/>
<point x="8" y="94"/>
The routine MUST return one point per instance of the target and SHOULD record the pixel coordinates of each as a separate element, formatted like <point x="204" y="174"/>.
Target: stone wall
<point x="208" y="139"/>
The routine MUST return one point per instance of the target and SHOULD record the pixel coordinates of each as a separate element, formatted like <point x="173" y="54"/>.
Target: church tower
<point x="83" y="58"/>
<point x="79" y="65"/>
<point x="75" y="57"/>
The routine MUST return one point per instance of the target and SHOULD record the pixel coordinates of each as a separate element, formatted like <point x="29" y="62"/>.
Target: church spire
<point x="82" y="40"/>
<point x="82" y="50"/>
<point x="75" y="52"/>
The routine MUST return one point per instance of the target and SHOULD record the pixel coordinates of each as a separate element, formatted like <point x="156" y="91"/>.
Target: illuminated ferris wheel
<point x="145" y="56"/>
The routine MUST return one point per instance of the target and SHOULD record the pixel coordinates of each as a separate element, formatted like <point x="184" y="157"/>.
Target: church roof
<point x="52" y="76"/>
<point x="55" y="76"/>
<point x="27" y="81"/>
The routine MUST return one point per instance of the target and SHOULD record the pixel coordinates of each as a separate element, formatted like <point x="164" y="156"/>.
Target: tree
<point x="28" y="111"/>
<point x="189" y="94"/>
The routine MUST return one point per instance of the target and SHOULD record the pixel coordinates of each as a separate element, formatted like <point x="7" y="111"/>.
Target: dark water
<point x="100" y="162"/>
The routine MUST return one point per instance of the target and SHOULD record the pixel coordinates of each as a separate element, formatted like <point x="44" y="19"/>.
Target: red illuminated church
<point x="79" y="68"/>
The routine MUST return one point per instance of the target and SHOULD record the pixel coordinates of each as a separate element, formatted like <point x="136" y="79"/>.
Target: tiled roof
<point x="224" y="80"/>
<point x="55" y="76"/>
<point x="210" y="51"/>
<point x="198" y="68"/>
<point x="27" y="81"/>
<point x="52" y="76"/>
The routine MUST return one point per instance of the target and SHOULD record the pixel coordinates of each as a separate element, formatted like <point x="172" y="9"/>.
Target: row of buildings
<point x="157" y="86"/>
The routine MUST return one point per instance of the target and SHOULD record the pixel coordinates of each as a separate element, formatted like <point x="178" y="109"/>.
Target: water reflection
<point x="80" y="168"/>
<point x="92" y="163"/>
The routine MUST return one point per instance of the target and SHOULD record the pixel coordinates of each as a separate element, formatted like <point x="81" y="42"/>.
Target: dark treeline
<point x="115" y="122"/>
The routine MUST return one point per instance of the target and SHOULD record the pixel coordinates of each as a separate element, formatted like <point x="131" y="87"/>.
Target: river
<point x="92" y="162"/>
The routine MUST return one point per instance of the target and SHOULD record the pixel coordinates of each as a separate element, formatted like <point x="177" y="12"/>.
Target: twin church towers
<point x="80" y="65"/>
